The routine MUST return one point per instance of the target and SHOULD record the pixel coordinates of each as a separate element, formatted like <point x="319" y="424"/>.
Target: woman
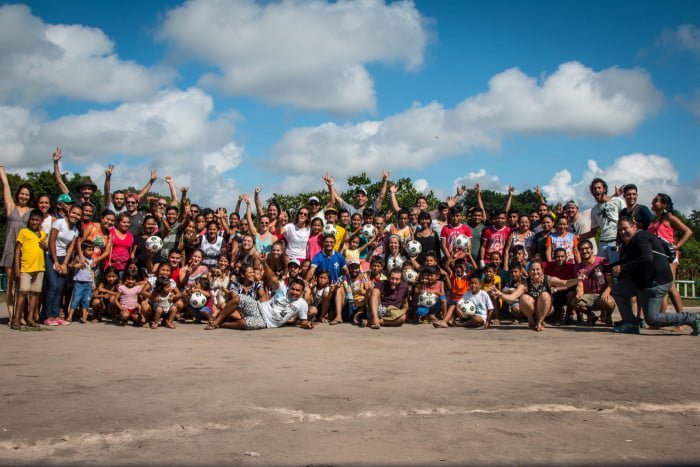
<point x="429" y="239"/>
<point x="17" y="210"/>
<point x="99" y="234"/>
<point x="263" y="237"/>
<point x="247" y="285"/>
<point x="535" y="295"/>
<point x="61" y="245"/>
<point x="539" y="242"/>
<point x="297" y="235"/>
<point x="665" y="225"/>
<point x="123" y="244"/>
<point x="187" y="275"/>
<point x="522" y="236"/>
<point x="394" y="258"/>
<point x="247" y="254"/>
<point x="141" y="253"/>
<point x="211" y="244"/>
<point x="315" y="243"/>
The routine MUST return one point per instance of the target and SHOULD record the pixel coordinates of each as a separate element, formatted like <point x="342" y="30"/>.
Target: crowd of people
<point x="155" y="262"/>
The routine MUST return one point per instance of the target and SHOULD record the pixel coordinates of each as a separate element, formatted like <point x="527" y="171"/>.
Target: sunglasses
<point x="132" y="202"/>
<point x="162" y="205"/>
<point x="303" y="213"/>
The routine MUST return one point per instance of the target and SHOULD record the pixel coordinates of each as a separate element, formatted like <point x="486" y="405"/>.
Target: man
<point x="86" y="188"/>
<point x="136" y="217"/>
<point x="175" y="229"/>
<point x="475" y="221"/>
<point x="315" y="211"/>
<point x="361" y="199"/>
<point x="562" y="269"/>
<point x="328" y="260"/>
<point x="639" y="213"/>
<point x="388" y="302"/>
<point x="593" y="291"/>
<point x="604" y="216"/>
<point x="117" y="201"/>
<point x="645" y="272"/>
<point x="286" y="304"/>
<point x="344" y="218"/>
<point x="579" y="222"/>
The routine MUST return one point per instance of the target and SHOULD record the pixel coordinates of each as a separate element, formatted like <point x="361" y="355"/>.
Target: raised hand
<point x="246" y="198"/>
<point x="460" y="190"/>
<point x="57" y="155"/>
<point x="258" y="189"/>
<point x="184" y="189"/>
<point x="168" y="179"/>
<point x="477" y="188"/>
<point x="510" y="189"/>
<point x="385" y="175"/>
<point x="154" y="175"/>
<point x="108" y="170"/>
<point x="393" y="189"/>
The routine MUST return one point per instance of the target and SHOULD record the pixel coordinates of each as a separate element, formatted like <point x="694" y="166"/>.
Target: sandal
<point x="15" y="327"/>
<point x="211" y="327"/>
<point x="374" y="326"/>
<point x="334" y="322"/>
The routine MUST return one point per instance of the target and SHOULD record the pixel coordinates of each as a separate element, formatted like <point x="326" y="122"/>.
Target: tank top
<point x="264" y="246"/>
<point x="211" y="251"/>
<point x="663" y="229"/>
<point x="535" y="290"/>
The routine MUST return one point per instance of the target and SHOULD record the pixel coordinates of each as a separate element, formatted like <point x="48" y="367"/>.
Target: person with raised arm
<point x="116" y="201"/>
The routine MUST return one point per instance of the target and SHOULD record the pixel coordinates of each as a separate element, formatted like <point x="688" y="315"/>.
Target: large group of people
<point x="155" y="261"/>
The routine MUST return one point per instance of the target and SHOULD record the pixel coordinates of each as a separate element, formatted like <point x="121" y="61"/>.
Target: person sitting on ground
<point x="482" y="302"/>
<point x="388" y="302"/>
<point x="560" y="268"/>
<point x="593" y="291"/>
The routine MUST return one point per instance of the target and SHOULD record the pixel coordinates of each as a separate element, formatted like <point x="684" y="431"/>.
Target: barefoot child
<point x="29" y="268"/>
<point x="162" y="298"/>
<point x="83" y="280"/>
<point x="428" y="282"/>
<point x="128" y="299"/>
<point x="482" y="302"/>
<point x="321" y="297"/>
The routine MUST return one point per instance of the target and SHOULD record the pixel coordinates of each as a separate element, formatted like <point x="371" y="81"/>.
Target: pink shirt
<point x="129" y="296"/>
<point x="121" y="249"/>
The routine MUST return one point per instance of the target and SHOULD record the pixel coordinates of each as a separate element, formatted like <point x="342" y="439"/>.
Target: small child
<point x="428" y="282"/>
<point x="128" y="299"/>
<point x="83" y="279"/>
<point x="105" y="296"/>
<point x="353" y="251"/>
<point x="209" y="311"/>
<point x="482" y="302"/>
<point x="321" y="297"/>
<point x="459" y="280"/>
<point x="516" y="278"/>
<point x="29" y="268"/>
<point x="376" y="270"/>
<point x="491" y="279"/>
<point x="162" y="298"/>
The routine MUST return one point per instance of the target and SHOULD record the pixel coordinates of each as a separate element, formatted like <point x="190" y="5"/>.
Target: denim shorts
<point x="82" y="295"/>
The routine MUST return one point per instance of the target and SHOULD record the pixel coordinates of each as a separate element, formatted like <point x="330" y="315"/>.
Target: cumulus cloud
<point x="311" y="54"/>
<point x="685" y="37"/>
<point x="651" y="173"/>
<point x="174" y="131"/>
<point x="575" y="100"/>
<point x="39" y="60"/>
<point x="485" y="181"/>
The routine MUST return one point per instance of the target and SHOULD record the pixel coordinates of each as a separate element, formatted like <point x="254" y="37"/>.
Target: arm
<point x="506" y="251"/>
<point x="58" y="178"/>
<point x="259" y="211"/>
<point x="548" y="253"/>
<point x="107" y="188"/>
<point x="511" y="297"/>
<point x="6" y="192"/>
<point x="392" y="197"/>
<point x="249" y="216"/>
<point x="382" y="191"/>
<point x="591" y="233"/>
<point x="173" y="191"/>
<point x="539" y="194"/>
<point x="69" y="253"/>
<point x="479" y="201"/>
<point x="238" y="205"/>
<point x="223" y="221"/>
<point x="18" y="259"/>
<point x="510" y="197"/>
<point x="269" y="276"/>
<point x="106" y="252"/>
<point x="334" y="196"/>
<point x="310" y="273"/>
<point x="678" y="225"/>
<point x="561" y="283"/>
<point x="149" y="184"/>
<point x="183" y="203"/>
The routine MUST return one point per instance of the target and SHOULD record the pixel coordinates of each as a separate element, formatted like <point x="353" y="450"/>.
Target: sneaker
<point x="62" y="322"/>
<point x="627" y="328"/>
<point x="50" y="322"/>
<point x="696" y="326"/>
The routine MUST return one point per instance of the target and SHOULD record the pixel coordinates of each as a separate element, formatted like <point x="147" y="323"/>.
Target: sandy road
<point x="96" y="392"/>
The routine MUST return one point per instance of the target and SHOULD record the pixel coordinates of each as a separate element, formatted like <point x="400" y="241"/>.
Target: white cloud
<point x="421" y="185"/>
<point x="485" y="181"/>
<point x="574" y="100"/>
<point x="685" y="37"/>
<point x="651" y="173"/>
<point x="174" y="131"/>
<point x="39" y="60"/>
<point x="307" y="53"/>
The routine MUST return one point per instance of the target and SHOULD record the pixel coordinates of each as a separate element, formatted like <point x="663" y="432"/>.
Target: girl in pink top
<point x="665" y="225"/>
<point x="123" y="244"/>
<point x="128" y="298"/>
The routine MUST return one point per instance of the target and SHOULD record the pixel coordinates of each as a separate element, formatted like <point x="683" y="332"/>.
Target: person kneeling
<point x="478" y="306"/>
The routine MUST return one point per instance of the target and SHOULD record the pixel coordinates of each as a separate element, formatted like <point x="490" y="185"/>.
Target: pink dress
<point x="121" y="249"/>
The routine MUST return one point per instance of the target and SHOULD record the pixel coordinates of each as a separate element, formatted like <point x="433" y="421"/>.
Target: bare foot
<point x="439" y="324"/>
<point x="170" y="325"/>
<point x="154" y="325"/>
<point x="211" y="327"/>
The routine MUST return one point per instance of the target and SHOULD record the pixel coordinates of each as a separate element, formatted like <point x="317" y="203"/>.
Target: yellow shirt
<point x="32" y="253"/>
<point x="339" y="236"/>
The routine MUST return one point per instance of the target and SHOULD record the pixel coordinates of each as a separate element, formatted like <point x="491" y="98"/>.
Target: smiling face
<point x="627" y="230"/>
<point x="598" y="191"/>
<point x="118" y="200"/>
<point x="149" y="226"/>
<point x="630" y="197"/>
<point x="74" y="214"/>
<point x="44" y="204"/>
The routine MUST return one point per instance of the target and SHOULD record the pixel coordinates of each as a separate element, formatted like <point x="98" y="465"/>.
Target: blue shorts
<point x="82" y="295"/>
<point x="423" y="311"/>
<point x="203" y="313"/>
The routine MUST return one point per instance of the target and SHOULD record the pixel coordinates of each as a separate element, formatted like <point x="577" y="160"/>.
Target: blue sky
<point x="228" y="95"/>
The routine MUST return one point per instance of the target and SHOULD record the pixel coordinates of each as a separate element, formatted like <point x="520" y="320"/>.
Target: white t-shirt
<point x="281" y="309"/>
<point x="65" y="236"/>
<point x="297" y="238"/>
<point x="581" y="225"/>
<point x="481" y="300"/>
<point x="605" y="216"/>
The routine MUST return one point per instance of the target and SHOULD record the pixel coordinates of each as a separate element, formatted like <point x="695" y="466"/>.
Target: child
<point x="353" y="251"/>
<point x="128" y="299"/>
<point x="491" y="279"/>
<point x="459" y="280"/>
<point x="482" y="302"/>
<point x="516" y="278"/>
<point x="376" y="270"/>
<point x="321" y="296"/>
<point x="209" y="311"/>
<point x="82" y="282"/>
<point x="29" y="267"/>
<point x="277" y="259"/>
<point x="562" y="238"/>
<point x="162" y="298"/>
<point x="428" y="282"/>
<point x="105" y="296"/>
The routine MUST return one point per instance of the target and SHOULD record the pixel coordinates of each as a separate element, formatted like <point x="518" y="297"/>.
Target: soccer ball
<point x="410" y="276"/>
<point x="427" y="299"/>
<point x="394" y="262"/>
<point x="198" y="300"/>
<point x="413" y="248"/>
<point x="329" y="229"/>
<point x="369" y="231"/>
<point x="466" y="307"/>
<point x="462" y="242"/>
<point x="154" y="243"/>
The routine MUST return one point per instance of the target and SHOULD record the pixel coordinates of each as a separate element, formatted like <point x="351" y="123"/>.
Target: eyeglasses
<point x="303" y="213"/>
<point x="162" y="205"/>
<point x="132" y="202"/>
<point x="264" y="223"/>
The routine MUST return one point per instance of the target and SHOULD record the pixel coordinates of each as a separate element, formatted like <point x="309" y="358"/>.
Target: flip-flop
<point x="211" y="327"/>
<point x="334" y="322"/>
<point x="374" y="326"/>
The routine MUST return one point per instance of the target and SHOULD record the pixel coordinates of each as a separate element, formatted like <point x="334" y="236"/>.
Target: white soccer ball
<point x="467" y="307"/>
<point x="462" y="242"/>
<point x="414" y="248"/>
<point x="369" y="231"/>
<point x="329" y="229"/>
<point x="154" y="243"/>
<point x="410" y="276"/>
<point x="427" y="299"/>
<point x="198" y="300"/>
<point x="394" y="262"/>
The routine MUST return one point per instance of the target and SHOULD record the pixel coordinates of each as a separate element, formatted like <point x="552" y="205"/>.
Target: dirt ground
<point x="342" y="395"/>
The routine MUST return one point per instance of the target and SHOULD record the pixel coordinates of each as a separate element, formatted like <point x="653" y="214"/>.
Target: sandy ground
<point x="341" y="395"/>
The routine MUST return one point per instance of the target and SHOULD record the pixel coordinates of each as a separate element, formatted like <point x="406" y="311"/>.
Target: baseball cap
<point x="294" y="261"/>
<point x="353" y="262"/>
<point x="571" y="203"/>
<point x="361" y="190"/>
<point x="64" y="198"/>
<point x="314" y="199"/>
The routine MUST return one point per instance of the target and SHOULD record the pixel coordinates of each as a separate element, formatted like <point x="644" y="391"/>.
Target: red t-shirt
<point x="494" y="240"/>
<point x="565" y="272"/>
<point x="592" y="284"/>
<point x="449" y="233"/>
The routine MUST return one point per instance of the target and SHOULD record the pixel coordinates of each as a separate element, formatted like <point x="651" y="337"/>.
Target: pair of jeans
<point x="649" y="300"/>
<point x="54" y="287"/>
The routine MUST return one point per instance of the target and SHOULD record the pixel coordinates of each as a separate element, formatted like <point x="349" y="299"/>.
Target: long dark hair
<point x="667" y="202"/>
<point x="31" y="193"/>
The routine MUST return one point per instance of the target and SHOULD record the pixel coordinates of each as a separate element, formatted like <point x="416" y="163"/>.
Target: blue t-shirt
<point x="333" y="264"/>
